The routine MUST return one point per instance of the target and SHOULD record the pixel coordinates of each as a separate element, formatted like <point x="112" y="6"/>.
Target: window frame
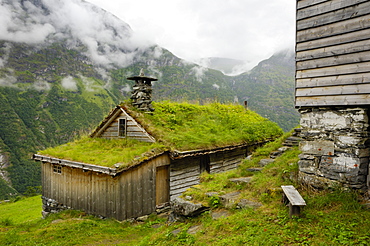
<point x="122" y="134"/>
<point x="57" y="169"/>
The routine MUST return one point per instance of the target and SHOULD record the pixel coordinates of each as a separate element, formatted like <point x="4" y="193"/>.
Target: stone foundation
<point x="335" y="147"/>
<point x="51" y="206"/>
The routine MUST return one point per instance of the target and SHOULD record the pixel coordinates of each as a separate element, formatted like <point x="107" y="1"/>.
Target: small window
<point x="122" y="127"/>
<point x="57" y="169"/>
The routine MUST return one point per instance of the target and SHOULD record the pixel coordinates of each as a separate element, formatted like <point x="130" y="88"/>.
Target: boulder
<point x="229" y="200"/>
<point x="242" y="180"/>
<point x="220" y="214"/>
<point x="244" y="203"/>
<point x="254" y="169"/>
<point x="264" y="162"/>
<point x="186" y="208"/>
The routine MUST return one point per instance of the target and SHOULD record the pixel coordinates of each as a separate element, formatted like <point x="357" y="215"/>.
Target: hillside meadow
<point x="332" y="217"/>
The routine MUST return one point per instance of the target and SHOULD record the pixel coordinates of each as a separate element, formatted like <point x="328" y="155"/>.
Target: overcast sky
<point x="249" y="30"/>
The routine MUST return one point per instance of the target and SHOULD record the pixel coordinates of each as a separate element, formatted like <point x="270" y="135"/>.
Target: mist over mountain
<point x="227" y="66"/>
<point x="64" y="64"/>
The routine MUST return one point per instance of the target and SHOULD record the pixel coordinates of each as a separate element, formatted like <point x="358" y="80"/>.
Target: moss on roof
<point x="180" y="126"/>
<point x="105" y="152"/>
<point x="185" y="126"/>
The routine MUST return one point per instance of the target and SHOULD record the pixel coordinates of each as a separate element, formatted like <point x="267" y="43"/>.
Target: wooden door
<point x="162" y="185"/>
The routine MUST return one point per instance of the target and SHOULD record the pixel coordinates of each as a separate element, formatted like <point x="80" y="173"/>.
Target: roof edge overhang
<point x="91" y="167"/>
<point x="75" y="164"/>
<point x="114" y="113"/>
<point x="176" y="154"/>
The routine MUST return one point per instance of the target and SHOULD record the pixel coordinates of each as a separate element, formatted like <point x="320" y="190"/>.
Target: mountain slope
<point x="64" y="64"/>
<point x="269" y="89"/>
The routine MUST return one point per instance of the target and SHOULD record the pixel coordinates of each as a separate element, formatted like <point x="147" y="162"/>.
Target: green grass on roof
<point x="105" y="152"/>
<point x="180" y="126"/>
<point x="185" y="126"/>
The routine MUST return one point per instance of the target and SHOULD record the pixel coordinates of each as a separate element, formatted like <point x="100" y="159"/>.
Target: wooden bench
<point x="294" y="200"/>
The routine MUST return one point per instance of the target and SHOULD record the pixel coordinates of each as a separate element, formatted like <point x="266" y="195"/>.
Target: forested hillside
<point x="269" y="89"/>
<point x="59" y="79"/>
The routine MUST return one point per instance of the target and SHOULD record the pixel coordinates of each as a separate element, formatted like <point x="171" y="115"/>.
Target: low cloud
<point x="199" y="72"/>
<point x="89" y="84"/>
<point x="109" y="41"/>
<point x="69" y="83"/>
<point x="6" y="52"/>
<point x="41" y="85"/>
<point x="216" y="86"/>
<point x="8" y="81"/>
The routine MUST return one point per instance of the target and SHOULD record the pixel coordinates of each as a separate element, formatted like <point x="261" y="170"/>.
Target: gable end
<point x="119" y="124"/>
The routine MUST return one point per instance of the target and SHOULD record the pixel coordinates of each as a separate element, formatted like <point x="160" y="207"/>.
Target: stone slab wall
<point x="51" y="206"/>
<point x="335" y="147"/>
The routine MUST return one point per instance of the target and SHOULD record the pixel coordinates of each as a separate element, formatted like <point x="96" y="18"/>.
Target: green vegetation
<point x="331" y="217"/>
<point x="38" y="112"/>
<point x="180" y="126"/>
<point x="185" y="126"/>
<point x="105" y="152"/>
<point x="269" y="89"/>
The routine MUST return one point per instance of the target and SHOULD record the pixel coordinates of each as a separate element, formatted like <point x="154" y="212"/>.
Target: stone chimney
<point x="142" y="92"/>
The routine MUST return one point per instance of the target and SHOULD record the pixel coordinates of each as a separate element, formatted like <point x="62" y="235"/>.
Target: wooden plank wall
<point x="128" y="195"/>
<point x="184" y="173"/>
<point x="133" y="129"/>
<point x="332" y="53"/>
<point x="226" y="161"/>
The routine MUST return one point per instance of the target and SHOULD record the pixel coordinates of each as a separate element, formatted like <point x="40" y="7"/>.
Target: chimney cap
<point x="142" y="77"/>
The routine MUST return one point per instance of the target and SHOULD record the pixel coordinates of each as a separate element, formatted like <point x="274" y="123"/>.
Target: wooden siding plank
<point x="334" y="90"/>
<point x="174" y="173"/>
<point x="362" y="67"/>
<point x="177" y="192"/>
<point x="184" y="175"/>
<point x="184" y="181"/>
<point x="139" y="191"/>
<point x="306" y="3"/>
<point x="89" y="190"/>
<point x="341" y="49"/>
<point x="333" y="100"/>
<point x="335" y="16"/>
<point x="325" y="7"/>
<point x="147" y="194"/>
<point x="151" y="184"/>
<point x="333" y="80"/>
<point x="334" y="61"/>
<point x="129" y="200"/>
<point x="321" y="42"/>
<point x="186" y="185"/>
<point x="342" y="27"/>
<point x="123" y="197"/>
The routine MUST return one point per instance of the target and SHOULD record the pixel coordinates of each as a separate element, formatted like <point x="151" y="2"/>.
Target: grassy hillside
<point x="331" y="217"/>
<point x="269" y="89"/>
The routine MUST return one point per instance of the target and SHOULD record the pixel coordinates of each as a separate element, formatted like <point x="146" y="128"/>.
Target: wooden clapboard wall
<point x="185" y="172"/>
<point x="130" y="194"/>
<point x="332" y="53"/>
<point x="133" y="129"/>
<point x="226" y="161"/>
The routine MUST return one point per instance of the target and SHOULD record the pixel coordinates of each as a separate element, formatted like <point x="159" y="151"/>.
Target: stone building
<point x="333" y="91"/>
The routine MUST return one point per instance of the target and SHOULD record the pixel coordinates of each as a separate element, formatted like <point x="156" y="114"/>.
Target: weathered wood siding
<point x="332" y="53"/>
<point x="185" y="172"/>
<point x="133" y="129"/>
<point x="130" y="194"/>
<point x="226" y="161"/>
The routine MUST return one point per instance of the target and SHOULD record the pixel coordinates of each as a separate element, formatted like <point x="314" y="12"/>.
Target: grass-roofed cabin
<point x="135" y="160"/>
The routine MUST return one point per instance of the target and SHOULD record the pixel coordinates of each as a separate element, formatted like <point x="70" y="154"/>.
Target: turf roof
<point x="175" y="126"/>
